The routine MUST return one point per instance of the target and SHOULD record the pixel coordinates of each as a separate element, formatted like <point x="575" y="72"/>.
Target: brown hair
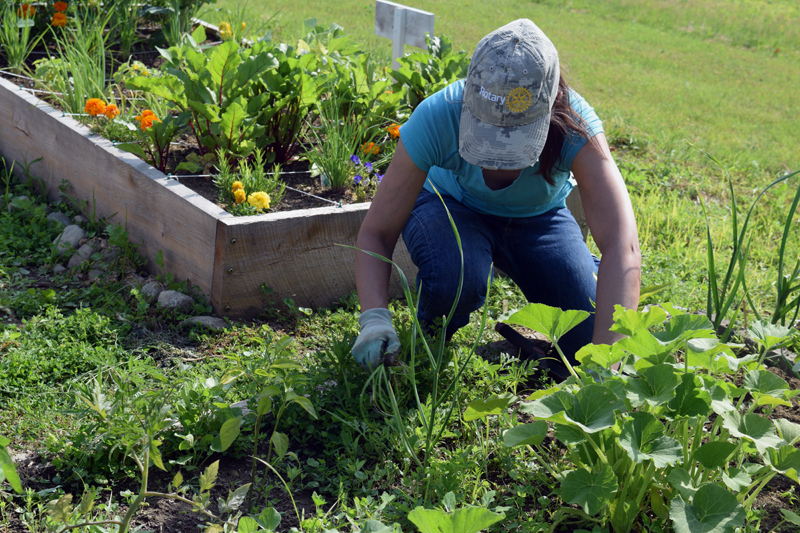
<point x="564" y="124"/>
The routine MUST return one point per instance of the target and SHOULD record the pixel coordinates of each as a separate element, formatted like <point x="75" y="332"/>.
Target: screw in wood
<point x="233" y="241"/>
<point x="230" y="271"/>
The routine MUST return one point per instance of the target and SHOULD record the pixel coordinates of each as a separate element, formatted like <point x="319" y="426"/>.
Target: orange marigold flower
<point x="60" y="6"/>
<point x="370" y="149"/>
<point x="95" y="106"/>
<point x="111" y="111"/>
<point x="394" y="131"/>
<point x="237" y="185"/>
<point x="146" y="119"/>
<point x="59" y="19"/>
<point x="26" y="11"/>
<point x="239" y="195"/>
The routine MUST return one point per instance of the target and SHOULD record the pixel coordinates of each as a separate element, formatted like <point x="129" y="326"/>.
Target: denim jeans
<point x="545" y="256"/>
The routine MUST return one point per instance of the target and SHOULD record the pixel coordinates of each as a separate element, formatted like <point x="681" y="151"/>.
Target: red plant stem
<point x="196" y="136"/>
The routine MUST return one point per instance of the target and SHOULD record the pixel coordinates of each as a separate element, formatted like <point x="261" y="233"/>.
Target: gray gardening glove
<point x="377" y="338"/>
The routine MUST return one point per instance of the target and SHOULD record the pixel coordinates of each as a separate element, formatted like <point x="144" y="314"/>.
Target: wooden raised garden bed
<point x="295" y="253"/>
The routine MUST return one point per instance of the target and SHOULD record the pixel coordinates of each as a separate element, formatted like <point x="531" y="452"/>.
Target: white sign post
<point x="403" y="25"/>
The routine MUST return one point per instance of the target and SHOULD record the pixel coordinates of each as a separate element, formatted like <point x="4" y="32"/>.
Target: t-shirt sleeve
<point x="430" y="135"/>
<point x="574" y="142"/>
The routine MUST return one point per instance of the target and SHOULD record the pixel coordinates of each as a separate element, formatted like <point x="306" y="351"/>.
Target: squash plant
<point x="671" y="432"/>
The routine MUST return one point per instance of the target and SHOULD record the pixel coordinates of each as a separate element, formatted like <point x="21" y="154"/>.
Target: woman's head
<point x="510" y="90"/>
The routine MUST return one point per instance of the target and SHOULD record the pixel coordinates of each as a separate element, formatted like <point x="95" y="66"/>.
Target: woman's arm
<point x="611" y="222"/>
<point x="386" y="218"/>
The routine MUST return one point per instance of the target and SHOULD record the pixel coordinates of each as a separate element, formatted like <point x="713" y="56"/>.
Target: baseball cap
<point x="510" y="89"/>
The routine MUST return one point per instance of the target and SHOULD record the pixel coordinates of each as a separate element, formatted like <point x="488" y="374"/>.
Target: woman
<point x="500" y="147"/>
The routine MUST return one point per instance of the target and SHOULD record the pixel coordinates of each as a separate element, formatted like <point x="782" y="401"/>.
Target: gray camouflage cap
<point x="510" y="89"/>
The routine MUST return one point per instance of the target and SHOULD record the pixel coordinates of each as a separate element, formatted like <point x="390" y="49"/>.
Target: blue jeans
<point x="545" y="256"/>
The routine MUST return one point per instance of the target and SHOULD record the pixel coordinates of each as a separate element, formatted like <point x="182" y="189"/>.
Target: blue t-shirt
<point x="431" y="138"/>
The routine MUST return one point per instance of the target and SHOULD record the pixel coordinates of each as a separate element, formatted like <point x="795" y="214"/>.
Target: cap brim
<point x="506" y="147"/>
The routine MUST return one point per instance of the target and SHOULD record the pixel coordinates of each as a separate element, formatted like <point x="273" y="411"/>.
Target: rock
<point x="175" y="300"/>
<point x="211" y="322"/>
<point x="80" y="220"/>
<point x="69" y="239"/>
<point x="58" y="269"/>
<point x="84" y="253"/>
<point x="95" y="274"/>
<point x="152" y="290"/>
<point x="110" y="255"/>
<point x="59" y="218"/>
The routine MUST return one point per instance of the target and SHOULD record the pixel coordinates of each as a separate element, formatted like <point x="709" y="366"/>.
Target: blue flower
<point x="368" y="166"/>
<point x="358" y="177"/>
<point x="354" y="158"/>
<point x="379" y="176"/>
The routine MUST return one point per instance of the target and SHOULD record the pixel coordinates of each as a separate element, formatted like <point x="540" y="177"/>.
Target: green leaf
<point x="656" y="385"/>
<point x="523" y="434"/>
<point x="87" y="502"/>
<point x="269" y="519"/>
<point x="713" y="510"/>
<point x="783" y="459"/>
<point x="494" y="405"/>
<point x="247" y="525"/>
<point x="236" y="498"/>
<point x="629" y="322"/>
<point x="643" y="439"/>
<point x="763" y="382"/>
<point x="769" y="335"/>
<point x="712" y="356"/>
<point x="788" y="431"/>
<point x="644" y="346"/>
<point x="135" y="149"/>
<point x="7" y="469"/>
<point x="737" y="480"/>
<point x="60" y="509"/>
<point x="229" y="431"/>
<point x="690" y="398"/>
<point x="281" y="443"/>
<point x="305" y="403"/>
<point x="602" y="355"/>
<point x="222" y="61"/>
<point x="209" y="476"/>
<point x="592" y="491"/>
<point x="714" y="454"/>
<point x="754" y="428"/>
<point x="177" y="481"/>
<point x="264" y="405"/>
<point x="551" y="322"/>
<point x="591" y="408"/>
<point x="372" y="526"/>
<point x="464" y="520"/>
<point x="681" y="481"/>
<point x="684" y="327"/>
<point x="791" y="517"/>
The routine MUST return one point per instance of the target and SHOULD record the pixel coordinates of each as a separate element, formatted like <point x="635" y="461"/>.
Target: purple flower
<point x="379" y="176"/>
<point x="354" y="158"/>
<point x="368" y="166"/>
<point x="358" y="177"/>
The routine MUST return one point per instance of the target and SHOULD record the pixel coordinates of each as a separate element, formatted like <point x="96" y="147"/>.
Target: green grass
<point x="704" y="72"/>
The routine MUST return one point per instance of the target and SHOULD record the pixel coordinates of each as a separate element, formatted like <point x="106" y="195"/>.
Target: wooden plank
<point x="418" y="23"/>
<point x="296" y="254"/>
<point x="160" y="213"/>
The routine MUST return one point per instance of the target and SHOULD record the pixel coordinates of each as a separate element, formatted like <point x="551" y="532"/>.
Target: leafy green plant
<point x="7" y="470"/>
<point x="250" y="178"/>
<point x="123" y="24"/>
<point x="81" y="72"/>
<point x="423" y="73"/>
<point x="15" y="36"/>
<point x="156" y="136"/>
<point x="239" y="99"/>
<point x="640" y="436"/>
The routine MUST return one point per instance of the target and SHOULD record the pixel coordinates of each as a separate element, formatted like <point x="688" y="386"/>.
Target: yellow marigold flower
<point x="259" y="199"/>
<point x="370" y="149"/>
<point x="95" y="106"/>
<point x="59" y="20"/>
<point x="239" y="195"/>
<point x="60" y="6"/>
<point x="26" y="11"/>
<point x="237" y="185"/>
<point x="225" y="31"/>
<point x="394" y="131"/>
<point x="111" y="111"/>
<point x="243" y="25"/>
